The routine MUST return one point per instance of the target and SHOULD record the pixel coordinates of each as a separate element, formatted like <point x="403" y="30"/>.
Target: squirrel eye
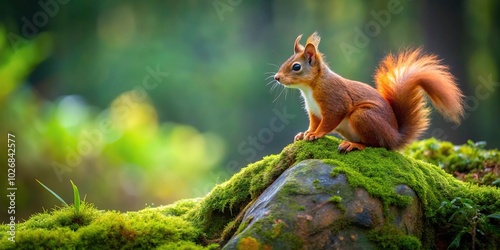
<point x="296" y="67"/>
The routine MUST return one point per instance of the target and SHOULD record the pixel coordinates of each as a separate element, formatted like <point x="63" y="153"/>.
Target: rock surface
<point x="307" y="208"/>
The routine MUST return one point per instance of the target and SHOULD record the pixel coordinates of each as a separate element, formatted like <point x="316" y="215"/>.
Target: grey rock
<point x="298" y="212"/>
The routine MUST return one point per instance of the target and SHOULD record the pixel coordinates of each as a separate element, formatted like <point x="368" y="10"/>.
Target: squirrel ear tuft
<point x="297" y="46"/>
<point x="314" y="39"/>
<point x="311" y="54"/>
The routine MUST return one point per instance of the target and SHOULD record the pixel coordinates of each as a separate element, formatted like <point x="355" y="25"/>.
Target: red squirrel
<point x="390" y="116"/>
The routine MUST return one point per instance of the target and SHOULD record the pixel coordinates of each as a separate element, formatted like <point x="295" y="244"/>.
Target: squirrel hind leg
<point x="375" y="127"/>
<point x="347" y="146"/>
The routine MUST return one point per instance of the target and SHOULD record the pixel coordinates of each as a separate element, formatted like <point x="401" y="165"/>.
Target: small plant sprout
<point x="76" y="195"/>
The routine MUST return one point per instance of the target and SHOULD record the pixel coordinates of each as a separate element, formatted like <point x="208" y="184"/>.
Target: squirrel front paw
<point x="311" y="136"/>
<point x="299" y="136"/>
<point x="307" y="136"/>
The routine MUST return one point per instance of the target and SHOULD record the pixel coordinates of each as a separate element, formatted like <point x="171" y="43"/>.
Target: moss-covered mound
<point x="200" y="223"/>
<point x="64" y="228"/>
<point x="469" y="162"/>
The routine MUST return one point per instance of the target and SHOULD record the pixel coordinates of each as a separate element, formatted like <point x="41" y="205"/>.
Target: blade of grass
<point x="494" y="216"/>
<point x="53" y="193"/>
<point x="76" y="197"/>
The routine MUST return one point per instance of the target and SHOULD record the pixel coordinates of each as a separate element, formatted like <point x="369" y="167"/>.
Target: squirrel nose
<point x="277" y="77"/>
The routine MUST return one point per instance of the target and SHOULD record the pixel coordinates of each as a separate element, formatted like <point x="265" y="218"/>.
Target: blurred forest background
<point x="142" y="103"/>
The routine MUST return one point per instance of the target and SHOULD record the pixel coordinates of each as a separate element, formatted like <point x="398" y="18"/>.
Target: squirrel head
<point x="303" y="66"/>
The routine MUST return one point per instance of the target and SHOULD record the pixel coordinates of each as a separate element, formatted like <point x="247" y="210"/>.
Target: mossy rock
<point x="376" y="170"/>
<point x="293" y="213"/>
<point x="211" y="221"/>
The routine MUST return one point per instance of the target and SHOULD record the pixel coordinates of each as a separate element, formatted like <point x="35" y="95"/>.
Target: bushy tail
<point x="400" y="79"/>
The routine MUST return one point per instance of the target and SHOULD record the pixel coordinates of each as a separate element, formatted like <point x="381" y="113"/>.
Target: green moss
<point x="469" y="162"/>
<point x="186" y="245"/>
<point x="228" y="199"/>
<point x="243" y="225"/>
<point x="276" y="235"/>
<point x="390" y="237"/>
<point x="65" y="217"/>
<point x="277" y="229"/>
<point x="340" y="225"/>
<point x="94" y="229"/>
<point x="335" y="199"/>
<point x="179" y="208"/>
<point x="316" y="184"/>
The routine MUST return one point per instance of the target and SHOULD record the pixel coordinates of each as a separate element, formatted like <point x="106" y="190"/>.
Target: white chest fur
<point x="310" y="103"/>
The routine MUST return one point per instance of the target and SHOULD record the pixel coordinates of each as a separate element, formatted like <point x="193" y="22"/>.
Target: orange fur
<point x="390" y="116"/>
<point x="400" y="80"/>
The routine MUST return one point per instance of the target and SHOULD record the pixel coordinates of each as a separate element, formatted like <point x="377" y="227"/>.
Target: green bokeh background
<point x="73" y="88"/>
